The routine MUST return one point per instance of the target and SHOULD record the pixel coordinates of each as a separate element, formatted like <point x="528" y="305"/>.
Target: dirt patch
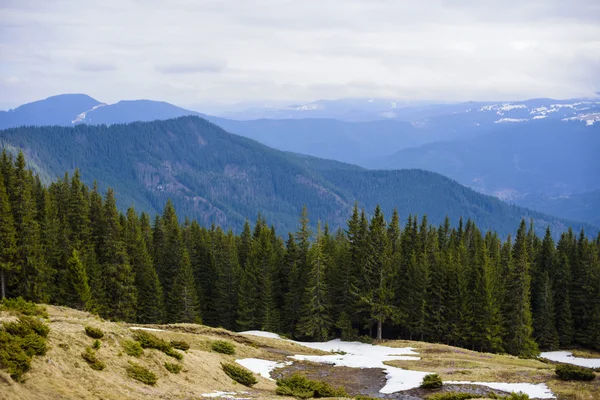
<point x="365" y="381"/>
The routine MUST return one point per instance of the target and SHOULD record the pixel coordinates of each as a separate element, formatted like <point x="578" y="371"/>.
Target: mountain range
<point x="223" y="178"/>
<point x="531" y="153"/>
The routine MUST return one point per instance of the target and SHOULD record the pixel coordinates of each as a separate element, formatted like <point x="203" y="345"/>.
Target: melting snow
<point x="567" y="357"/>
<point x="139" y="328"/>
<point x="539" y="391"/>
<point x="539" y="117"/>
<point x="261" y="367"/>
<point x="363" y="355"/>
<point x="225" y="395"/>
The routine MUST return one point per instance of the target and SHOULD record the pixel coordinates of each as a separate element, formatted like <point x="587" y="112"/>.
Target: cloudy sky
<point x="193" y="52"/>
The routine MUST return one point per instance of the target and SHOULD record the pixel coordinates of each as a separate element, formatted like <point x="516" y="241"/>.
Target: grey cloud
<point x="211" y="66"/>
<point x="96" y="66"/>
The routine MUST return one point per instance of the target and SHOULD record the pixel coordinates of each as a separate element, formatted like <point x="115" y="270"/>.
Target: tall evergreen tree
<point x="316" y="322"/>
<point x="79" y="294"/>
<point x="182" y="296"/>
<point x="519" y="340"/>
<point x="8" y="240"/>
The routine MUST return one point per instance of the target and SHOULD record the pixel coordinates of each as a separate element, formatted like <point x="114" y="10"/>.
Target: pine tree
<point x="542" y="301"/>
<point x="150" y="300"/>
<point x="316" y="322"/>
<point x="518" y="338"/>
<point x="79" y="294"/>
<point x="35" y="277"/>
<point x="8" y="240"/>
<point x="228" y="279"/>
<point x="182" y="296"/>
<point x="379" y="296"/>
<point x="117" y="277"/>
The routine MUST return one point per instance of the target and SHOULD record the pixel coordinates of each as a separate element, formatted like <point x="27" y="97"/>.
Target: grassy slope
<point x="62" y="373"/>
<point x="456" y="364"/>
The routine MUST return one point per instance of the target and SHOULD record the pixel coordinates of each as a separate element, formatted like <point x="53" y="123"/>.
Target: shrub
<point x="96" y="345"/>
<point x="94" y="333"/>
<point x="132" y="348"/>
<point x="301" y="387"/>
<point x="141" y="374"/>
<point x="365" y="339"/>
<point x="21" y="306"/>
<point x="453" y="396"/>
<point x="239" y="374"/>
<point x="568" y="372"/>
<point x="89" y="356"/>
<point x="431" y="381"/>
<point x="33" y="345"/>
<point x="512" y="396"/>
<point x="180" y="345"/>
<point x="150" y="341"/>
<point x="221" y="346"/>
<point x="173" y="368"/>
<point x="12" y="356"/>
<point x="26" y="326"/>
<point x="171" y="352"/>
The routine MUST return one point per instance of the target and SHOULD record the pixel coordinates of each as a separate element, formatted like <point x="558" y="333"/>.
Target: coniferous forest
<point x="68" y="244"/>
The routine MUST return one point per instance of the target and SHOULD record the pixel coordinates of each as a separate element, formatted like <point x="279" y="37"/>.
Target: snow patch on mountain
<point x="81" y="117"/>
<point x="503" y="120"/>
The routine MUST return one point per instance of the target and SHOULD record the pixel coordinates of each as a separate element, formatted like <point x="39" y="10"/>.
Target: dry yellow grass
<point x="457" y="364"/>
<point x="63" y="374"/>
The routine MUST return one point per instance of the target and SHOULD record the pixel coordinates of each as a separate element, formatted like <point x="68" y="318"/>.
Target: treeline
<point x="67" y="244"/>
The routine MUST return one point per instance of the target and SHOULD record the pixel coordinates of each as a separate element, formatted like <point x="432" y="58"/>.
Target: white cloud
<point x="189" y="52"/>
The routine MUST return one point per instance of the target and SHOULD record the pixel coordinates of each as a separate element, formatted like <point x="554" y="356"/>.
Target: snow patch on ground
<point x="363" y="355"/>
<point x="269" y="335"/>
<point x="567" y="358"/>
<point x="539" y="390"/>
<point x="139" y="328"/>
<point x="225" y="395"/>
<point x="261" y="367"/>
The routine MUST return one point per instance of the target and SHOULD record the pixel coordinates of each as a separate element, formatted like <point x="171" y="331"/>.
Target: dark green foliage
<point x="150" y="341"/>
<point x="33" y="345"/>
<point x="512" y="396"/>
<point x="567" y="372"/>
<point x="94" y="362"/>
<point x="221" y="346"/>
<point x="26" y="326"/>
<point x="239" y="374"/>
<point x="171" y="352"/>
<point x="96" y="345"/>
<point x="173" y="367"/>
<point x="300" y="386"/>
<point x="180" y="345"/>
<point x="132" y="348"/>
<point x="93" y="332"/>
<point x="13" y="357"/>
<point x="140" y="373"/>
<point x="20" y="306"/>
<point x="452" y="396"/>
<point x="449" y="284"/>
<point x="431" y="381"/>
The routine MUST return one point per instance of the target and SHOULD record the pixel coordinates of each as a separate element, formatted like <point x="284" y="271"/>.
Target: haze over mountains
<point x="544" y="151"/>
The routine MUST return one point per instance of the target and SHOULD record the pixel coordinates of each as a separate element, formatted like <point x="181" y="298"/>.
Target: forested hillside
<point x="67" y="244"/>
<point x="222" y="178"/>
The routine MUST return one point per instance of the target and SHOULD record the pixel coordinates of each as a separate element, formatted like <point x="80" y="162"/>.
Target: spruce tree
<point x="542" y="299"/>
<point x="78" y="294"/>
<point x="228" y="279"/>
<point x="8" y="240"/>
<point x="182" y="296"/>
<point x="117" y="277"/>
<point x="316" y="322"/>
<point x="519" y="340"/>
<point x="150" y="300"/>
<point x="379" y="277"/>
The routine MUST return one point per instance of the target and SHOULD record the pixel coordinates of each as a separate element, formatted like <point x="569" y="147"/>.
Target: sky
<point x="199" y="52"/>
